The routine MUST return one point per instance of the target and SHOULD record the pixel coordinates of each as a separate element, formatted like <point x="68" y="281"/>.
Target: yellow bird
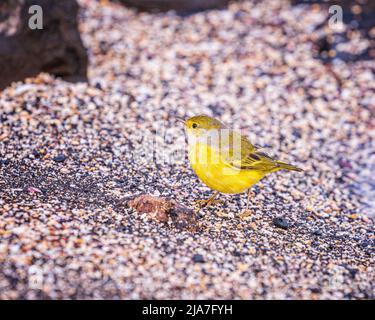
<point x="225" y="160"/>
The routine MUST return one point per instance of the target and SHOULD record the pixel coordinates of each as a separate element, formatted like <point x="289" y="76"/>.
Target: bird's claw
<point x="245" y="214"/>
<point x="207" y="202"/>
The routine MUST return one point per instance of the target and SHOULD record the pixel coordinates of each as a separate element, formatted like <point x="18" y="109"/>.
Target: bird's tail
<point x="286" y="166"/>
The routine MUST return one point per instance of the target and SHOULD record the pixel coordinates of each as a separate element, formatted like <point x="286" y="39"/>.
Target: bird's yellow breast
<point x="210" y="168"/>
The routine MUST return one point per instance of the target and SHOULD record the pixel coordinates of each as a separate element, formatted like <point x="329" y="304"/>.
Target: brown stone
<point x="165" y="210"/>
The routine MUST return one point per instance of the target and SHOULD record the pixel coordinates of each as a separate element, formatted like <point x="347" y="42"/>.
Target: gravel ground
<point x="73" y="154"/>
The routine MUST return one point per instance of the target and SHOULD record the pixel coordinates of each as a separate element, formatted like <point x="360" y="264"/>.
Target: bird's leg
<point x="245" y="213"/>
<point x="209" y="201"/>
<point x="248" y="200"/>
<point x="212" y="200"/>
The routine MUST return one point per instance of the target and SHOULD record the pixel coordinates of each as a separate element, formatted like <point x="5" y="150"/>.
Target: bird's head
<point x="202" y="122"/>
<point x="201" y="126"/>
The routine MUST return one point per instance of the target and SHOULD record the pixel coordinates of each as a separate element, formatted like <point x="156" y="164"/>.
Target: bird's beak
<point x="180" y="120"/>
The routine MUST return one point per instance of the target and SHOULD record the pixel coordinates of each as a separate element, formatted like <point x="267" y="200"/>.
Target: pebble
<point x="59" y="158"/>
<point x="281" y="222"/>
<point x="33" y="190"/>
<point x="198" y="258"/>
<point x="4" y="162"/>
<point x="317" y="232"/>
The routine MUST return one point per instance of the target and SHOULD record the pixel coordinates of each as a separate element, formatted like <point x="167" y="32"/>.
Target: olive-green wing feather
<point x="253" y="158"/>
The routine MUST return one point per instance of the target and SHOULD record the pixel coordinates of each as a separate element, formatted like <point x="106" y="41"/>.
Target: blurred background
<point x="59" y="50"/>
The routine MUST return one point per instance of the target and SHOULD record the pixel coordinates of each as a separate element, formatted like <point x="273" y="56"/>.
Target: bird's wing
<point x="256" y="160"/>
<point x="251" y="158"/>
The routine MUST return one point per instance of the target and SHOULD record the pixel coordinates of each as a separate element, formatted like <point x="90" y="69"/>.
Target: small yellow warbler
<point x="225" y="160"/>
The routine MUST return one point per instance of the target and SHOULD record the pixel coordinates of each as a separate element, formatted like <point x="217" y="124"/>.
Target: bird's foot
<point x="207" y="202"/>
<point x="245" y="214"/>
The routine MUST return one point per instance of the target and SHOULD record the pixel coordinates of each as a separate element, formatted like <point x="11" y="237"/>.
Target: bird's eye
<point x="194" y="126"/>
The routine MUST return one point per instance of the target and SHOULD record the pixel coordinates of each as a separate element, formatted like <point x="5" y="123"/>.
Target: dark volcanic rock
<point x="281" y="222"/>
<point x="59" y="158"/>
<point x="198" y="258"/>
<point x="57" y="48"/>
<point x="178" y="5"/>
<point x="358" y="16"/>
